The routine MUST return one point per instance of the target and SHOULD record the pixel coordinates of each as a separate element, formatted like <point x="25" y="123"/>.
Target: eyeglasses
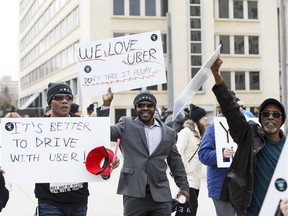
<point x="275" y="114"/>
<point x="60" y="97"/>
<point x="145" y="105"/>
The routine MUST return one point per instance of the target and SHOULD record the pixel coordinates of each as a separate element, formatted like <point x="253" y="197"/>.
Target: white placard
<point x="122" y="63"/>
<point x="224" y="140"/>
<point x="278" y="186"/>
<point x="198" y="80"/>
<point x="51" y="149"/>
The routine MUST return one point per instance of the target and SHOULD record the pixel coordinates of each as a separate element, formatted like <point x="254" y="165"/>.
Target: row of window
<point x="140" y="7"/>
<point x="68" y="24"/>
<point x="237" y="9"/>
<point x="242" y="80"/>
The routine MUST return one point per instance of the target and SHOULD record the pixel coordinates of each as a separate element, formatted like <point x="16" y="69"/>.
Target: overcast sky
<point x="9" y="20"/>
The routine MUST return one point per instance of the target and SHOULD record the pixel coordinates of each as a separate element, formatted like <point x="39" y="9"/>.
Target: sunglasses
<point x="275" y="114"/>
<point x="143" y="105"/>
<point x="60" y="97"/>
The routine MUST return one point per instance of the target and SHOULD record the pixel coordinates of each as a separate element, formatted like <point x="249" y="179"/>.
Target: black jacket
<point x="4" y="193"/>
<point x="238" y="184"/>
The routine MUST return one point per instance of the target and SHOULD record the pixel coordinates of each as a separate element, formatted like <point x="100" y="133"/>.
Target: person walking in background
<point x="215" y="175"/>
<point x="259" y="148"/>
<point x="188" y="144"/>
<point x="13" y="113"/>
<point x="91" y="110"/>
<point x="52" y="199"/>
<point x="76" y="109"/>
<point x="148" y="147"/>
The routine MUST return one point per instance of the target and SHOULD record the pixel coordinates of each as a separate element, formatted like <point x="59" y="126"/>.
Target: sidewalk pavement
<point x="103" y="199"/>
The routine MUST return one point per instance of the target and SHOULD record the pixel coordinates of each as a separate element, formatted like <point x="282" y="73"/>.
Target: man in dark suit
<point x="148" y="148"/>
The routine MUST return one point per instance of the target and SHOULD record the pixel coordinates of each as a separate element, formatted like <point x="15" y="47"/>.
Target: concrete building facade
<point x="247" y="29"/>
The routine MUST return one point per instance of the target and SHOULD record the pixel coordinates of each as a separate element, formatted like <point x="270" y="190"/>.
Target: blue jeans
<point x="47" y="209"/>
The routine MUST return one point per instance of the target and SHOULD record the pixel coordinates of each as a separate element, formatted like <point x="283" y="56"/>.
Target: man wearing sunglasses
<point x="259" y="148"/>
<point x="52" y="200"/>
<point x="148" y="147"/>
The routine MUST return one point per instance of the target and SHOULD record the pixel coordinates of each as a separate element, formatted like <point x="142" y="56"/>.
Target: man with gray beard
<point x="259" y="148"/>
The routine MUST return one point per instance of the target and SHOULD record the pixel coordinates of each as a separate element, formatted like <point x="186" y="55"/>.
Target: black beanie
<point x="74" y="108"/>
<point x="196" y="113"/>
<point x="90" y="108"/>
<point x="55" y="88"/>
<point x="272" y="101"/>
<point x="145" y="96"/>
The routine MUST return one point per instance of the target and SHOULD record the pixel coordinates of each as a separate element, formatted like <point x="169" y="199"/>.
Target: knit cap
<point x="196" y="113"/>
<point x="145" y="96"/>
<point x="55" y="88"/>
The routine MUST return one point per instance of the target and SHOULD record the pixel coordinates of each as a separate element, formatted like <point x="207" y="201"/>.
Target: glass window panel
<point x="223" y="8"/>
<point x="227" y="78"/>
<point x="153" y="87"/>
<point x="134" y="7"/>
<point x="195" y="11"/>
<point x="238" y="9"/>
<point x="119" y="113"/>
<point x="118" y="7"/>
<point x="195" y="48"/>
<point x="194" y="71"/>
<point x="195" y="23"/>
<point x="164" y="42"/>
<point x="196" y="60"/>
<point x="240" y="80"/>
<point x="195" y="35"/>
<point x="116" y="34"/>
<point x="194" y="1"/>
<point x="254" y="79"/>
<point x="164" y="85"/>
<point x="225" y="41"/>
<point x="253" y="45"/>
<point x="150" y="7"/>
<point x="164" y="7"/>
<point x="239" y="44"/>
<point x="252" y="10"/>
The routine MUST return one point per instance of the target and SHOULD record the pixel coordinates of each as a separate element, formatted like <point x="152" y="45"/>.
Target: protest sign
<point x="278" y="186"/>
<point x="51" y="149"/>
<point x="122" y="63"/>
<point x="198" y="80"/>
<point x="224" y="140"/>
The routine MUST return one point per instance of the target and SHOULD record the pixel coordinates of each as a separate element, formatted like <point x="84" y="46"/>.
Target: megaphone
<point x="98" y="161"/>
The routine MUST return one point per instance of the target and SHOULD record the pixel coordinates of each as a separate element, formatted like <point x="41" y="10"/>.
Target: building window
<point x="239" y="9"/>
<point x="248" y="45"/>
<point x="253" y="45"/>
<point x="119" y="113"/>
<point x="150" y="7"/>
<point x="223" y="8"/>
<point x="118" y="7"/>
<point x="252" y="10"/>
<point x="227" y="78"/>
<point x="254" y="79"/>
<point x="239" y="44"/>
<point x="225" y="41"/>
<point x="134" y="8"/>
<point x="242" y="80"/>
<point x="164" y="7"/>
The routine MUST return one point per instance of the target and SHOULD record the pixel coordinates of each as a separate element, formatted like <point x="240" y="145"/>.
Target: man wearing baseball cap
<point x="72" y="201"/>
<point x="148" y="147"/>
<point x="259" y="148"/>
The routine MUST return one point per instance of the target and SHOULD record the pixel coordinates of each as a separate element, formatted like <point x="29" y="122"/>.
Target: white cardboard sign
<point x="198" y="80"/>
<point x="122" y="63"/>
<point x="51" y="149"/>
<point x="278" y="186"/>
<point x="224" y="140"/>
